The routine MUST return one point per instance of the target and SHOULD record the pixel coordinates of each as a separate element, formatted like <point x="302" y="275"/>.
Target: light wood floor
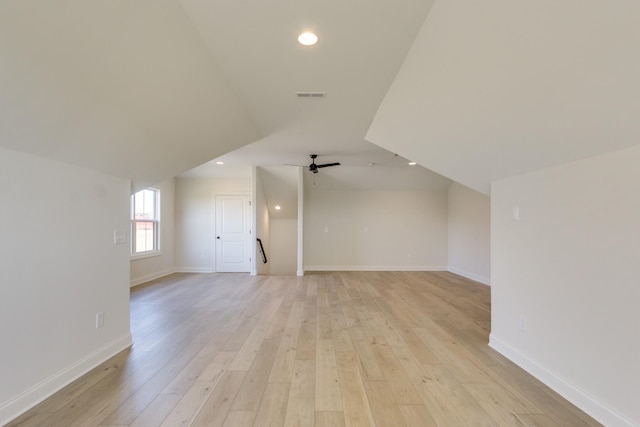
<point x="335" y="349"/>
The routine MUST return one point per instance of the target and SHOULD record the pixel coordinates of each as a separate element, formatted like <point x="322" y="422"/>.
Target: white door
<point x="233" y="234"/>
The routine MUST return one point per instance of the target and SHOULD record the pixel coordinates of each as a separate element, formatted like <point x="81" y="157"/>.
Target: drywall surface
<point x="195" y="220"/>
<point x="469" y="233"/>
<point x="263" y="227"/>
<point x="495" y="88"/>
<point x="145" y="269"/>
<point x="564" y="277"/>
<point x="126" y="88"/>
<point x="375" y="230"/>
<point x="59" y="267"/>
<point x="284" y="246"/>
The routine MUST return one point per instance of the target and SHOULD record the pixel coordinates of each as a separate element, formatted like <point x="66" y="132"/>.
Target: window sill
<point x="144" y="255"/>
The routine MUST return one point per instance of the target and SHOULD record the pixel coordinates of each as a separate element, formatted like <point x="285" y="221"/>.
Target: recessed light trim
<point x="219" y="163"/>
<point x="307" y="39"/>
<point x="412" y="163"/>
<point x="277" y="207"/>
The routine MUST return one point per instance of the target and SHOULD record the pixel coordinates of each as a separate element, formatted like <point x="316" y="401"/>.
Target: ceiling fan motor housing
<point x="314" y="168"/>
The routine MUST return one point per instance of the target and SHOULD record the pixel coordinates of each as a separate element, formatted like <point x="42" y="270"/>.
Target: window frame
<point x="156" y="226"/>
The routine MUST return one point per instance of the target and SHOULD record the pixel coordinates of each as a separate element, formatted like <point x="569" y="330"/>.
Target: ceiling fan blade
<point x="326" y="165"/>
<point x="291" y="164"/>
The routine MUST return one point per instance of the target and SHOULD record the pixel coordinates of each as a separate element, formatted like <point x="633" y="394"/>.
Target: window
<point x="145" y="220"/>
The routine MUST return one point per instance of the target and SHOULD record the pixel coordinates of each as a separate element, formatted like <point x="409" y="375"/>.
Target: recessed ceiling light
<point x="219" y="163"/>
<point x="412" y="163"/>
<point x="277" y="207"/>
<point x="307" y="39"/>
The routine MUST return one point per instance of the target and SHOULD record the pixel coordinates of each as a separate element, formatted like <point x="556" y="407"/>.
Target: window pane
<point x="145" y="236"/>
<point x="145" y="205"/>
<point x="144" y="221"/>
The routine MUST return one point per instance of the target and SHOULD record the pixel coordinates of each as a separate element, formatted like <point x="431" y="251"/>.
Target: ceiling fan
<point x="313" y="167"/>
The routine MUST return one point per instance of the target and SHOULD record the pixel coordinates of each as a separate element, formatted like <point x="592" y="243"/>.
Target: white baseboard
<point x="149" y="277"/>
<point x="194" y="270"/>
<point x="28" y="399"/>
<point x="598" y="410"/>
<point x="482" y="279"/>
<point x="373" y="268"/>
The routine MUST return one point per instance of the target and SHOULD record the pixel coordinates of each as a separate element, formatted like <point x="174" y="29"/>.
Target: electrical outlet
<point x="523" y="323"/>
<point x="99" y="320"/>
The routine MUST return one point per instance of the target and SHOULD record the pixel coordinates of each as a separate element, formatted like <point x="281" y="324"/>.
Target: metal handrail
<point x="264" y="255"/>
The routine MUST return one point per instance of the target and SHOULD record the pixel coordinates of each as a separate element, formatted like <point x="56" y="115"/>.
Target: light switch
<point x="119" y="237"/>
<point x="326" y="229"/>
<point x="99" y="320"/>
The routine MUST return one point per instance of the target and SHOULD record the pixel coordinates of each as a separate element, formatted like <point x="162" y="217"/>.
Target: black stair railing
<point x="264" y="255"/>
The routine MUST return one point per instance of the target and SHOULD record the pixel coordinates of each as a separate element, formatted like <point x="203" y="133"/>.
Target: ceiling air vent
<point x="311" y="95"/>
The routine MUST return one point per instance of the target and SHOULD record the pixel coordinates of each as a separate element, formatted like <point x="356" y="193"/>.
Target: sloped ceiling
<point x="498" y="88"/>
<point x="362" y="45"/>
<point x="124" y="87"/>
<point x="148" y="89"/>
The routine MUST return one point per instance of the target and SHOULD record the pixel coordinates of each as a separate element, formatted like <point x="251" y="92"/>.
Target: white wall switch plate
<point x="99" y="320"/>
<point x="119" y="237"/>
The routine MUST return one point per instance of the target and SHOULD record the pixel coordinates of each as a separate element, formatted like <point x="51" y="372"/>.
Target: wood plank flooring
<point x="385" y="349"/>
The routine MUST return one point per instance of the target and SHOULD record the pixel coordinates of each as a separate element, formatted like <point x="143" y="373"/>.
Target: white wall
<point x="145" y="269"/>
<point x="469" y="233"/>
<point x="58" y="268"/>
<point x="375" y="230"/>
<point x="284" y="246"/>
<point x="301" y="222"/>
<point x="195" y="219"/>
<point x="569" y="270"/>
<point x="263" y="226"/>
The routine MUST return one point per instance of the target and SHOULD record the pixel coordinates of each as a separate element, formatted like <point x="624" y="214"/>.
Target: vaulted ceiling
<point x="473" y="91"/>
<point x="498" y="88"/>
<point x="124" y="87"/>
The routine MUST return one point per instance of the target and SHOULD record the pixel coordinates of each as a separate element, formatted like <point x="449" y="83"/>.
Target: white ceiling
<point x="370" y="169"/>
<point x="475" y="91"/>
<point x="126" y="88"/>
<point x="361" y="47"/>
<point x="498" y="88"/>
